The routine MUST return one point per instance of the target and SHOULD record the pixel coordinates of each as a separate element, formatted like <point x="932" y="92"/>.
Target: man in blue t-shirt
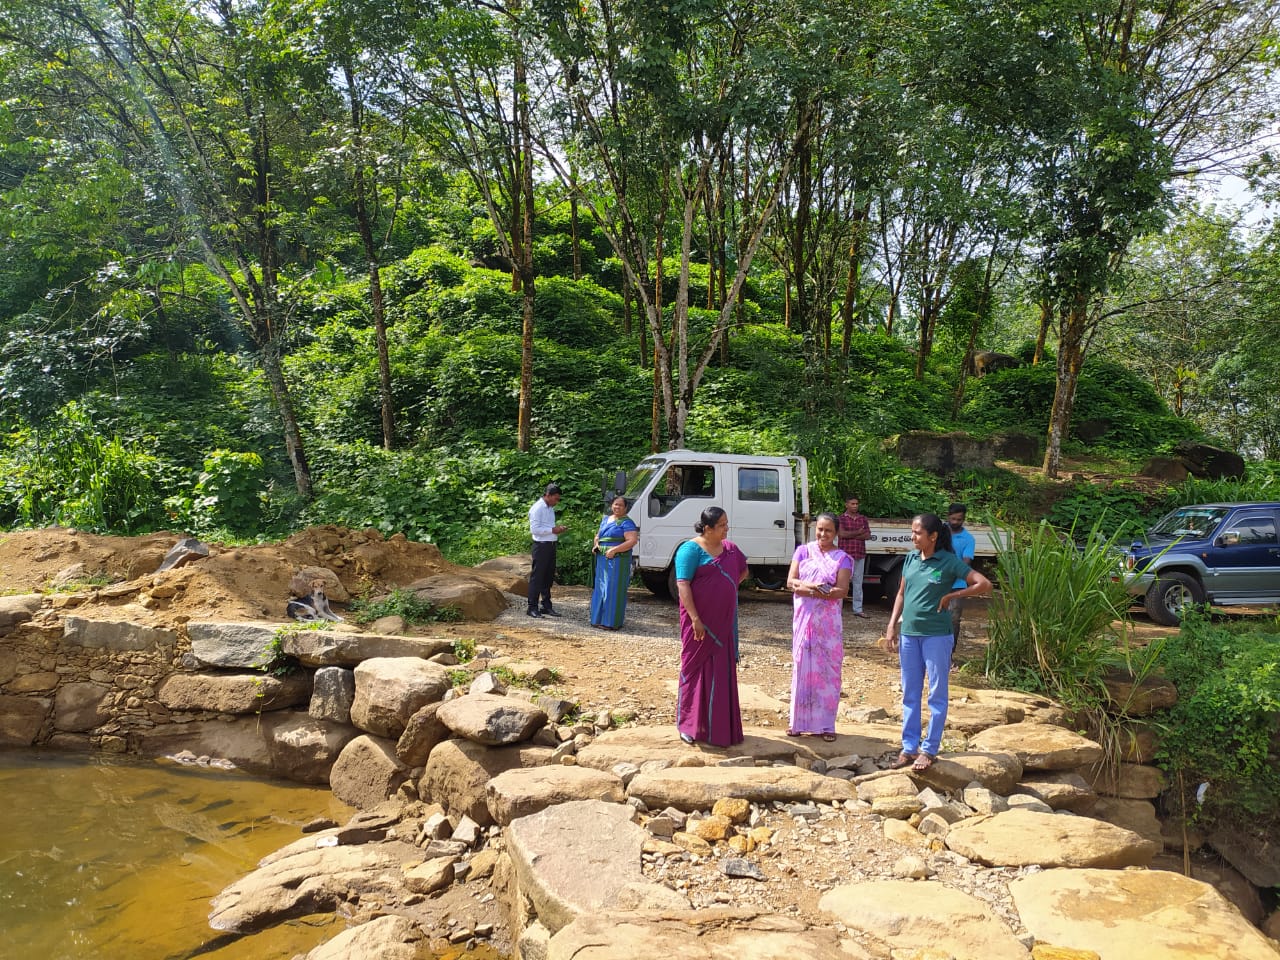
<point x="963" y="546"/>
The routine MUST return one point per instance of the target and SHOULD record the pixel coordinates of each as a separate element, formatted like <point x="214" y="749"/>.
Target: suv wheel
<point x="1169" y="595"/>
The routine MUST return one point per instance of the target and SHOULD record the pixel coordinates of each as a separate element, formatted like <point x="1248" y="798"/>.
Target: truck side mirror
<point x="619" y="482"/>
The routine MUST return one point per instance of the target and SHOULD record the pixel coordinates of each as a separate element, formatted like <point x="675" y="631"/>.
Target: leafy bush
<point x="405" y="604"/>
<point x="839" y="465"/>
<point x="70" y="474"/>
<point x="1224" y="730"/>
<point x="227" y="496"/>
<point x="1114" y="510"/>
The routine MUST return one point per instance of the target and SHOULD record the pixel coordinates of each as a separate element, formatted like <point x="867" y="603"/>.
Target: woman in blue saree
<point x="616" y="538"/>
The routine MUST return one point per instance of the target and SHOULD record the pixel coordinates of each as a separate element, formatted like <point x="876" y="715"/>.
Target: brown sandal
<point x="903" y="759"/>
<point x="829" y="737"/>
<point x="922" y="763"/>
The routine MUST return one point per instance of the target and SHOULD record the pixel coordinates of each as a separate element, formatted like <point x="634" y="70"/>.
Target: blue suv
<point x="1225" y="554"/>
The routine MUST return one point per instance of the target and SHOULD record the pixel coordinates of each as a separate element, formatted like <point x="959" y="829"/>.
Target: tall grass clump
<point x="1053" y="626"/>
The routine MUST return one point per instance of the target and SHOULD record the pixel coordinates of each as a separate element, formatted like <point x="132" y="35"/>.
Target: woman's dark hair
<point x="932" y="523"/>
<point x="710" y="517"/>
<point x="826" y="516"/>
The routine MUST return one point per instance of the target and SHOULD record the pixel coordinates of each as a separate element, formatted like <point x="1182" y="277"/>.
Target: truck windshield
<point x="1189" y="522"/>
<point x="639" y="478"/>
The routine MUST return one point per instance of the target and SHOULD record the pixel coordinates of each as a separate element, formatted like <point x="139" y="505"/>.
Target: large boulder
<point x="79" y="706"/>
<point x="17" y="609"/>
<point x="1251" y="852"/>
<point x="1137" y="816"/>
<point x="1212" y="463"/>
<point x="1170" y="470"/>
<point x="1019" y="838"/>
<point x="492" y="720"/>
<point x="390" y="690"/>
<point x="524" y="791"/>
<point x="21" y="719"/>
<point x="386" y="938"/>
<point x="233" y="646"/>
<point x="997" y="771"/>
<point x="311" y="879"/>
<point x="243" y="741"/>
<point x="1129" y="780"/>
<point x="305" y="749"/>
<point x="705" y="934"/>
<point x="633" y="744"/>
<point x="459" y="770"/>
<point x="333" y="691"/>
<point x="115" y="635"/>
<point x="366" y="772"/>
<point x="421" y="734"/>
<point x="343" y="648"/>
<point x="472" y="598"/>
<point x="698" y="788"/>
<point x="581" y="858"/>
<point x="912" y="917"/>
<point x="1064" y="790"/>
<point x="233" y="692"/>
<point x="944" y="453"/>
<point x="1039" y="746"/>
<point x="509" y="574"/>
<point x="1123" y="914"/>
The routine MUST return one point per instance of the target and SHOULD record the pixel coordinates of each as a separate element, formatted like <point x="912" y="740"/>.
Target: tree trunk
<point x="1046" y="317"/>
<point x="365" y="227"/>
<point x="269" y="354"/>
<point x="1070" y="359"/>
<point x="525" y="266"/>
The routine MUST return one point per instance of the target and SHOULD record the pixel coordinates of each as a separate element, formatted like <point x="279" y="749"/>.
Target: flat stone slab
<point x="491" y="719"/>
<point x="975" y="717"/>
<point x="698" y="788"/>
<point x="1121" y="915"/>
<point x="923" y="916"/>
<point x="18" y="609"/>
<point x="1065" y="790"/>
<point x="709" y="934"/>
<point x="1039" y="746"/>
<point x="638" y="744"/>
<point x="315" y="880"/>
<point x="233" y="692"/>
<point x="996" y="771"/>
<point x="117" y="635"/>
<point x="458" y="771"/>
<point x="244" y="645"/>
<point x="1019" y="838"/>
<point x="526" y="790"/>
<point x="581" y="858"/>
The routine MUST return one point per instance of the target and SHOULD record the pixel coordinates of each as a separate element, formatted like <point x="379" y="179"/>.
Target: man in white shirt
<point x="545" y="532"/>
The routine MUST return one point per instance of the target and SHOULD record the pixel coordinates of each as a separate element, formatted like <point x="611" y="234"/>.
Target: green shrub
<point x="227" y="496"/>
<point x="68" y="473"/>
<point x="405" y="604"/>
<point x="1224" y="731"/>
<point x="1115" y="510"/>
<point x="1052" y="624"/>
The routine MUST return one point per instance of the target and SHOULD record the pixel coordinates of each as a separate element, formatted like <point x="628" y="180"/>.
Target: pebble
<point x="737" y="867"/>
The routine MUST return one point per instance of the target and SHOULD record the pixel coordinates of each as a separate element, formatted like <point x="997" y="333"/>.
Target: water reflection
<point x="105" y="857"/>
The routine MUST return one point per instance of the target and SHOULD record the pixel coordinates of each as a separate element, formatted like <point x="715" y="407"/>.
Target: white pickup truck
<point x="767" y="500"/>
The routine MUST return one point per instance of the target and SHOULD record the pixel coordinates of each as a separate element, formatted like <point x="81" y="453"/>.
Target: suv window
<point x="682" y="482"/>
<point x="1253" y="530"/>
<point x="1188" y="522"/>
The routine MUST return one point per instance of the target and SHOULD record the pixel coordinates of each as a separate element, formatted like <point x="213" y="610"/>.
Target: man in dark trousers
<point x="545" y="532"/>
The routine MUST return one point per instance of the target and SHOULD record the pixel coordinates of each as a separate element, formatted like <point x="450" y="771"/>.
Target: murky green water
<point x="114" y="858"/>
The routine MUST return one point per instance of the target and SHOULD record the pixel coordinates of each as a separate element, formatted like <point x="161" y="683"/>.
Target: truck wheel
<point x="769" y="578"/>
<point x="889" y="582"/>
<point x="656" y="582"/>
<point x="1167" y="597"/>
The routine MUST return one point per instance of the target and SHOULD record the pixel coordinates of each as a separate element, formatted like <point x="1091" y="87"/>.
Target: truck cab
<point x="766" y="498"/>
<point x="1225" y="554"/>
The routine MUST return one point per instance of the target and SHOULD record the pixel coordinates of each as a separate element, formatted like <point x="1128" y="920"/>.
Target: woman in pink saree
<point x="708" y="571"/>
<point x="819" y="579"/>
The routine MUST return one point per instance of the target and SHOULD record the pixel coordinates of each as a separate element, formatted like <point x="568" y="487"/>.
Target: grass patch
<point x="90" y="582"/>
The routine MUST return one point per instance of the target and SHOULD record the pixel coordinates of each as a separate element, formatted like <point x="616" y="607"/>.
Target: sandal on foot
<point x="829" y="737"/>
<point x="903" y="759"/>
<point x="794" y="733"/>
<point x="687" y="739"/>
<point x="922" y="763"/>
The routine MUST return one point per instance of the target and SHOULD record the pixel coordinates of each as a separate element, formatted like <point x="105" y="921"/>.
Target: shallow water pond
<point x="117" y="857"/>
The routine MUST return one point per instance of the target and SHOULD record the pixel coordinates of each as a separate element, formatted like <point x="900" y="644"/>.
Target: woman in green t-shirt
<point x="920" y="617"/>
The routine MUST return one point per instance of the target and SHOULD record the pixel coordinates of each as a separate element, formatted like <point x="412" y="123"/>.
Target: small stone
<point x="711" y="828"/>
<point x="467" y="831"/>
<point x="660" y="826"/>
<point x="693" y="844"/>
<point x="625" y="772"/>
<point x="804" y="811"/>
<point x="760" y="835"/>
<point x="896" y="808"/>
<point x="912" y="868"/>
<point x="737" y="762"/>
<point x="1022" y="801"/>
<point x="735" y="808"/>
<point x="739" y="868"/>
<point x="739" y="843"/>
<point x="933" y="825"/>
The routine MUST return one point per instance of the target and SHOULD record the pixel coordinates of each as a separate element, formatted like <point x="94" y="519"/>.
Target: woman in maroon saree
<point x="708" y="571"/>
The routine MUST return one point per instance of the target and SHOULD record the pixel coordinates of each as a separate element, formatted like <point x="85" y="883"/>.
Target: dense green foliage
<point x="1224" y="731"/>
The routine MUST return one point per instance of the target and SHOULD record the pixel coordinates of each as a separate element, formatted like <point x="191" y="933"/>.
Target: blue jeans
<point x="916" y="655"/>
